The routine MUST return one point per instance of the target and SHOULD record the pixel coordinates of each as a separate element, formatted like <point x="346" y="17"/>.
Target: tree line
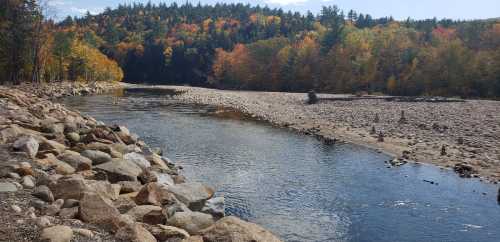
<point x="35" y="49"/>
<point x="238" y="46"/>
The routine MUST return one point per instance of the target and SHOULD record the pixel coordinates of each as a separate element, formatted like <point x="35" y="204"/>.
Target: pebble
<point x="16" y="208"/>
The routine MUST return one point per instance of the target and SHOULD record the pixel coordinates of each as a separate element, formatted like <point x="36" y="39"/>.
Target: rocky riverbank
<point x="463" y="136"/>
<point x="56" y="90"/>
<point x="68" y="177"/>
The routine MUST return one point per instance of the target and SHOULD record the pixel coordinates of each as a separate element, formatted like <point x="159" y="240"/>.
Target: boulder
<point x="80" y="163"/>
<point x="193" y="194"/>
<point x="192" y="222"/>
<point x="61" y="167"/>
<point x="97" y="210"/>
<point x="97" y="157"/>
<point x="147" y="176"/>
<point x="57" y="234"/>
<point x="134" y="233"/>
<point x="154" y="194"/>
<point x="157" y="160"/>
<point x="103" y="188"/>
<point x="138" y="159"/>
<point x="27" y="144"/>
<point x="120" y="170"/>
<point x="154" y="217"/>
<point x="234" y="229"/>
<point x="73" y="137"/>
<point x="69" y="187"/>
<point x="215" y="207"/>
<point x="53" y="146"/>
<point x="28" y="182"/>
<point x="104" y="148"/>
<point x="7" y="187"/>
<point x="138" y="212"/>
<point x="43" y="192"/>
<point x="164" y="179"/>
<point x="168" y="233"/>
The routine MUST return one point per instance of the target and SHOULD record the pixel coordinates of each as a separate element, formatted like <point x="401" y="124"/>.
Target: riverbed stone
<point x="80" y="163"/>
<point x="43" y="192"/>
<point x="155" y="194"/>
<point x="27" y="144"/>
<point x="103" y="188"/>
<point x="97" y="209"/>
<point x="69" y="187"/>
<point x="168" y="233"/>
<point x="68" y="213"/>
<point x="120" y="170"/>
<point x="192" y="222"/>
<point x="7" y="187"/>
<point x="97" y="157"/>
<point x="135" y="233"/>
<point x="129" y="186"/>
<point x="138" y="159"/>
<point x="28" y="182"/>
<point x="193" y="194"/>
<point x="58" y="233"/>
<point x="138" y="212"/>
<point x="124" y="204"/>
<point x="234" y="229"/>
<point x="215" y="207"/>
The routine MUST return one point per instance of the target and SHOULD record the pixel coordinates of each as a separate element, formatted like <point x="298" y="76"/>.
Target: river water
<point x="298" y="187"/>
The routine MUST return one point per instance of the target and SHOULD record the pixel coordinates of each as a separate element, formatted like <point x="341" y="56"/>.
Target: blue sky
<point x="399" y="9"/>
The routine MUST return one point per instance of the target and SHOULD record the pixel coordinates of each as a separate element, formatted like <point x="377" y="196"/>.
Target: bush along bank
<point x="68" y="177"/>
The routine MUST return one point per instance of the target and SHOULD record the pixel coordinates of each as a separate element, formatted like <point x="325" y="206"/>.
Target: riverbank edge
<point x="396" y="148"/>
<point x="24" y="95"/>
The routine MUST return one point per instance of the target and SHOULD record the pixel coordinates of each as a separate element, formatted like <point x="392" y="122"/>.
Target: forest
<point x="237" y="46"/>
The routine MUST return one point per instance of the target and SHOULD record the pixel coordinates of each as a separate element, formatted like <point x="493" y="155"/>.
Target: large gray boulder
<point x="193" y="194"/>
<point x="192" y="222"/>
<point x="234" y="229"/>
<point x="27" y="144"/>
<point x="120" y="170"/>
<point x="97" y="157"/>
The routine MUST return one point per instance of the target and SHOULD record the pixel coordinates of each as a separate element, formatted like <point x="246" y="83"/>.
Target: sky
<point x="399" y="9"/>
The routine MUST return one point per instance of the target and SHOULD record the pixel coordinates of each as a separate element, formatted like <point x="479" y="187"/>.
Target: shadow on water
<point x="298" y="187"/>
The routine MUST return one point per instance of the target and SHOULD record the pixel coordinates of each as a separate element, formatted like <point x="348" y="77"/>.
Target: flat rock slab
<point x="7" y="187"/>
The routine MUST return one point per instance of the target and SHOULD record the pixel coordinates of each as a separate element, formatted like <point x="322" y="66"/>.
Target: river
<point x="298" y="187"/>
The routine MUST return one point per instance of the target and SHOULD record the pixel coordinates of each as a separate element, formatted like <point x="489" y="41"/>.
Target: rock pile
<point x="62" y="89"/>
<point x="79" y="169"/>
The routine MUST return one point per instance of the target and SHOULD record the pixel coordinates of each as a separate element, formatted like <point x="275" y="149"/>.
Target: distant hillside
<point x="249" y="47"/>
